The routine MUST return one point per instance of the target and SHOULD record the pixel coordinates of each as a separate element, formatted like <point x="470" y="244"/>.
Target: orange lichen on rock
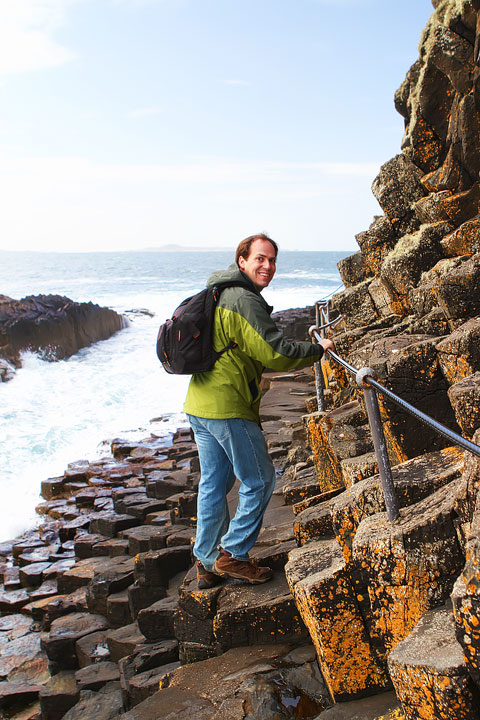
<point x="409" y="566"/>
<point x="334" y="371"/>
<point x="393" y="437"/>
<point x="359" y="468"/>
<point x="413" y="480"/>
<point x="425" y="148"/>
<point x="458" y="354"/>
<point x="351" y="507"/>
<point x="314" y="522"/>
<point x="429" y="674"/>
<point x="328" y="468"/>
<point x="463" y="206"/>
<point x="464" y="396"/>
<point x="456" y="368"/>
<point x="329" y="608"/>
<point x="464" y="240"/>
<point x="466" y="593"/>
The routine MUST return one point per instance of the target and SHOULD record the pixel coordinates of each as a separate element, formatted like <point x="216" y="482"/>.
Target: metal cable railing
<point x="426" y="419"/>
<point x="342" y="362"/>
<point x="330" y="324"/>
<point x="332" y="292"/>
<point x="322" y="319"/>
<point x="365" y="378"/>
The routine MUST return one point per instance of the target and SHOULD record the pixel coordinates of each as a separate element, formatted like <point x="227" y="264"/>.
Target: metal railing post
<point x="318" y="370"/>
<point x="379" y="443"/>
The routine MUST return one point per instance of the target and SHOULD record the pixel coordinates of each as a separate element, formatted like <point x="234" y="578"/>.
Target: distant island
<point x="185" y="248"/>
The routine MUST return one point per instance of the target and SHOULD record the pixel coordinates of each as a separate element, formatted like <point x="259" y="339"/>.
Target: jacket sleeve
<point x="249" y="324"/>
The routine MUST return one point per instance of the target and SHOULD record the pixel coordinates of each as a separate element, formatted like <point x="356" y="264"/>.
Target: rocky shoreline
<point x="100" y="608"/>
<point x="53" y="326"/>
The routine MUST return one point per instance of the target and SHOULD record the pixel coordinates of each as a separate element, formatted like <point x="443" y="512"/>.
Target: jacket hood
<point x="231" y="275"/>
<point x="235" y="276"/>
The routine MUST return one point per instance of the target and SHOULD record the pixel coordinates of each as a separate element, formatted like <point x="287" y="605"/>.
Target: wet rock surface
<point x="52" y="325"/>
<point x="261" y="682"/>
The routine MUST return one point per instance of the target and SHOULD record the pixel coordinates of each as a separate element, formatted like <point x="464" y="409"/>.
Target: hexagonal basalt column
<point x="327" y="466"/>
<point x="429" y="674"/>
<point x="408" y="567"/>
<point x="327" y="602"/>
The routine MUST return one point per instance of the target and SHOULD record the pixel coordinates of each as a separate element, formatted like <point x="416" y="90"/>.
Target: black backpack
<point x="184" y="343"/>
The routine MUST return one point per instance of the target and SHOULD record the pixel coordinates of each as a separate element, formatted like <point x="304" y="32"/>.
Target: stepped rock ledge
<point x="365" y="618"/>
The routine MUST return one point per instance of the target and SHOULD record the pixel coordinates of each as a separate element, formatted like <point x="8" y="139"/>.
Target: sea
<point x="54" y="413"/>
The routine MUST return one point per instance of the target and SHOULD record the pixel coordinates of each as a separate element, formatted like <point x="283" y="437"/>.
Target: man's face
<point x="261" y="263"/>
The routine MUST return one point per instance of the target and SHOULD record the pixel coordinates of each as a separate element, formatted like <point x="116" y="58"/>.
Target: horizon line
<point x="164" y="249"/>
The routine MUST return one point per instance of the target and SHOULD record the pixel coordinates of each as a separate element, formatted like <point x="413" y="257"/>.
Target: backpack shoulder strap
<point x="217" y="289"/>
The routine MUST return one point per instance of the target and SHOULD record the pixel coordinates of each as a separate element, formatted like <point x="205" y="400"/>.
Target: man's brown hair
<point x="243" y="249"/>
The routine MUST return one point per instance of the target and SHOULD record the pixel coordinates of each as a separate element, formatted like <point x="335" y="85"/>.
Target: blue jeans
<point x="230" y="448"/>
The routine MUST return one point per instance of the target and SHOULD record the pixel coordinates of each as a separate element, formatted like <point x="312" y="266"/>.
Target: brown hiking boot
<point x="206" y="578"/>
<point x="225" y="564"/>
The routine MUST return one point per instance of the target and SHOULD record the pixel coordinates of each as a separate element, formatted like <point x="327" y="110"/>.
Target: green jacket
<point x="232" y="388"/>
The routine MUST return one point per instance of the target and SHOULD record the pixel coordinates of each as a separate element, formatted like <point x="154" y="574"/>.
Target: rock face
<point x="400" y="602"/>
<point x="53" y="326"/>
<point x="295" y="323"/>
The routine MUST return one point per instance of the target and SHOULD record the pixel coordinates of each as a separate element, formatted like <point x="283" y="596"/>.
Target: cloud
<point x="27" y="31"/>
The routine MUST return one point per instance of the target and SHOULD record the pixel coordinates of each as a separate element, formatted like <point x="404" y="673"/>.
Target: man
<point x="223" y="409"/>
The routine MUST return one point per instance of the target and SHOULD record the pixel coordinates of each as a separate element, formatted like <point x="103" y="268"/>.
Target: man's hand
<point x="327" y="344"/>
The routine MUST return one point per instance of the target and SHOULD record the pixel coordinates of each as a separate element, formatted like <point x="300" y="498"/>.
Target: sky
<point x="131" y="124"/>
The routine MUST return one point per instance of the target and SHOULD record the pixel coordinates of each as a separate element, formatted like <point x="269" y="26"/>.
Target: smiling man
<point x="223" y="409"/>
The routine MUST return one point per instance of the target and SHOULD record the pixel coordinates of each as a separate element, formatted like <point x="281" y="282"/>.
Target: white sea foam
<point x="55" y="413"/>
